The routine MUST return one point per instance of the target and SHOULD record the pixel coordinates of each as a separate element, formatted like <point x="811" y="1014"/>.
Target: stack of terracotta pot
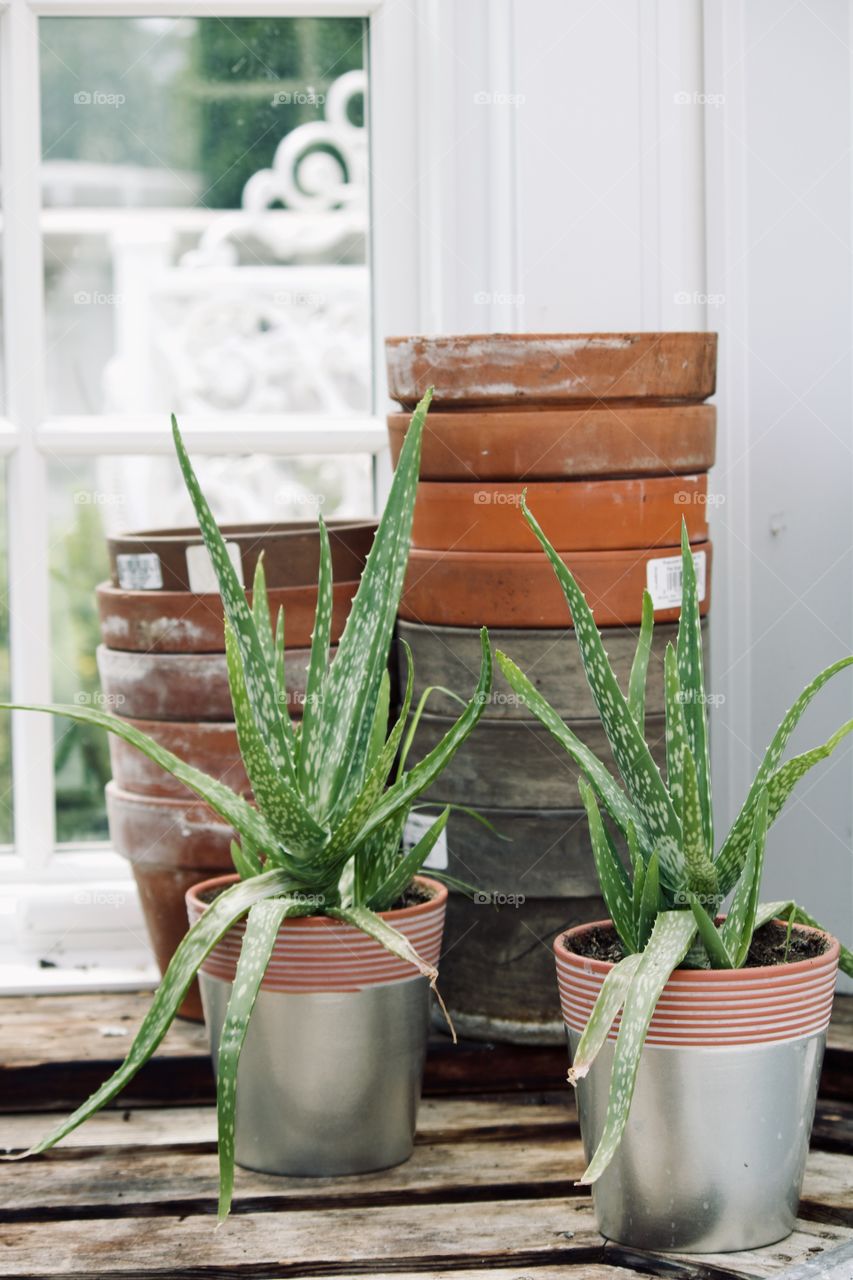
<point x="162" y="666"/>
<point x="609" y="436"/>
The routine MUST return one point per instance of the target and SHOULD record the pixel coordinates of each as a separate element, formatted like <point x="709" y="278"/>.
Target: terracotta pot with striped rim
<point x="713" y="1155"/>
<point x="330" y="1072"/>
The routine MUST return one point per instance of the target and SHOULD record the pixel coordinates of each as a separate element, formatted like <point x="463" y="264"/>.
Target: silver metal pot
<point x="714" y="1152"/>
<point x="328" y="1082"/>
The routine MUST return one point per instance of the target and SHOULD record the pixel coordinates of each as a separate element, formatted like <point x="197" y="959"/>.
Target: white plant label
<point x="417" y="825"/>
<point x="139" y="572"/>
<point x="201" y="574"/>
<point x="663" y="580"/>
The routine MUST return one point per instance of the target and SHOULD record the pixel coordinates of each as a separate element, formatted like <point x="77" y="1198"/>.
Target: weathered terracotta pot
<point x="519" y="589"/>
<point x="179" y="622"/>
<point x="580" y="515"/>
<point x="171" y="844"/>
<point x="172" y="559"/>
<point x="550" y="368"/>
<point x="516" y="764"/>
<point x="207" y="745"/>
<point x="561" y="444"/>
<point x="447" y="658"/>
<point x="183" y="686"/>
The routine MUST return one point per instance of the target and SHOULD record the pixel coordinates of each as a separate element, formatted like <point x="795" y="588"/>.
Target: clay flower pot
<point x="561" y="444"/>
<point x="445" y="658"/>
<point x="207" y="745"/>
<point x="180" y="622"/>
<point x="580" y="515"/>
<point x="171" y="843"/>
<point x="175" y="559"/>
<point x="345" y="1024"/>
<point x="519" y="589"/>
<point x="183" y="686"/>
<point x="714" y="1151"/>
<point x="551" y="368"/>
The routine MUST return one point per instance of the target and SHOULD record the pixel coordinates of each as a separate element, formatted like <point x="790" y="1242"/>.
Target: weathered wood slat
<point x="805" y="1243"/>
<point x="439" y="1120"/>
<point x="835" y="1264"/>
<point x="87" y="1183"/>
<point x="302" y="1243"/>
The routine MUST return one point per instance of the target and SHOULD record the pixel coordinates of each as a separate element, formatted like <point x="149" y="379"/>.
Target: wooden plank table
<point x="488" y="1195"/>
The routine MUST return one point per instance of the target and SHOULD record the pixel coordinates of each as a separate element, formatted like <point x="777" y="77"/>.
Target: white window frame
<point x="28" y="437"/>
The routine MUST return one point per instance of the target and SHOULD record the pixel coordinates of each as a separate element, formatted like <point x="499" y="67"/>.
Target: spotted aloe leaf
<point x="640" y="665"/>
<point x="738" y="927"/>
<point x="217" y="919"/>
<point x="610" y="1000"/>
<point x="413" y="783"/>
<point x="676" y="729"/>
<point x="612" y="876"/>
<point x="611" y="795"/>
<point x="268" y="643"/>
<point x="649" y="900"/>
<point x="691" y="677"/>
<point x="310" y="765"/>
<point x="639" y="772"/>
<point x="278" y="800"/>
<point x="262" y="926"/>
<point x="260" y="684"/>
<point x="669" y="943"/>
<point x="709" y="934"/>
<point x="236" y="811"/>
<point x="733" y="853"/>
<point x="352" y="686"/>
<point x="699" y="865"/>
<point x="792" y="912"/>
<point x="408" y="866"/>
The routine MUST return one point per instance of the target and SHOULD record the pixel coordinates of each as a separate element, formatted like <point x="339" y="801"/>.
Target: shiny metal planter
<point x="330" y="1073"/>
<point x="714" y="1151"/>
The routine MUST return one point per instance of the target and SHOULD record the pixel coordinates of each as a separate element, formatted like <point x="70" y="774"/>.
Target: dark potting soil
<point x="770" y="946"/>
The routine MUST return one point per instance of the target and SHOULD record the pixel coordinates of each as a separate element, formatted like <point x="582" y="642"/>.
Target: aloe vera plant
<point x="665" y="895"/>
<point x="324" y="834"/>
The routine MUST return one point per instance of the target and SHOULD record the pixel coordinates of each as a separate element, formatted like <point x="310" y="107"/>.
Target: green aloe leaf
<point x="610" y="1000"/>
<point x="379" y="732"/>
<point x="701" y="873"/>
<point x="650" y="903"/>
<point x="262" y="926"/>
<point x="738" y="926"/>
<point x="734" y="850"/>
<point x="710" y="936"/>
<point x="611" y="795"/>
<point x="676" y="729"/>
<point x="236" y="811"/>
<point x="691" y="677"/>
<point x="260" y="683"/>
<point x="279" y="802"/>
<point x="612" y="876"/>
<point x="672" y="935"/>
<point x="401" y="875"/>
<point x="245" y="859"/>
<point x="638" y="871"/>
<point x="310" y="766"/>
<point x="791" y="911"/>
<point x="217" y="919"/>
<point x="412" y="784"/>
<point x="630" y="751"/>
<point x="267" y="640"/>
<point x="640" y="665"/>
<point x="352" y="686"/>
<point x="385" y="934"/>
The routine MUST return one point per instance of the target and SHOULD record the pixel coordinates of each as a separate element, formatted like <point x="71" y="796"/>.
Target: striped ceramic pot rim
<point x="713" y="1007"/>
<point x="315" y="953"/>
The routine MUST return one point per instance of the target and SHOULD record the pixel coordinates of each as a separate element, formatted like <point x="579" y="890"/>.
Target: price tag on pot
<point x="417" y="825"/>
<point x="201" y="574"/>
<point x="141" y="572"/>
<point x="663" y="580"/>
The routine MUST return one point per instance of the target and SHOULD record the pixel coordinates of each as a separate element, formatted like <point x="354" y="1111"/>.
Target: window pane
<point x="91" y="497"/>
<point x="5" y="719"/>
<point x="243" y="285"/>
